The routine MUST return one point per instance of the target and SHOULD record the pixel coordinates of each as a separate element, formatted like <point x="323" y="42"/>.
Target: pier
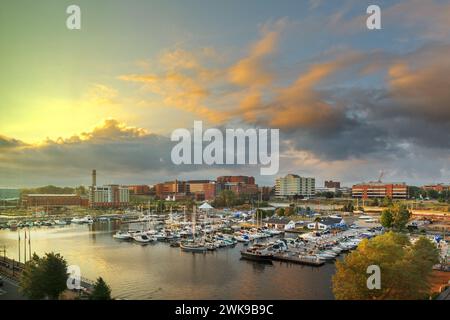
<point x="298" y="260"/>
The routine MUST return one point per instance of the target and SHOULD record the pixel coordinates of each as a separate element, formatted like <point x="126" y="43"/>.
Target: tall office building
<point x="111" y="195"/>
<point x="294" y="185"/>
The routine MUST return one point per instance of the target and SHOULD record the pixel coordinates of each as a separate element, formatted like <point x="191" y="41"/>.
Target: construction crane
<point x="381" y="175"/>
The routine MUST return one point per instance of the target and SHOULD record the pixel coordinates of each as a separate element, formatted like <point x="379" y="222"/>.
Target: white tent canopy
<point x="205" y="206"/>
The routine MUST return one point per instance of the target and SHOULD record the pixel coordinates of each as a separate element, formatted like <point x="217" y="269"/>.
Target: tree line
<point x="46" y="278"/>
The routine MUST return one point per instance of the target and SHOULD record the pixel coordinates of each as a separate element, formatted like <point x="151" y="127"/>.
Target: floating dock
<point x="298" y="260"/>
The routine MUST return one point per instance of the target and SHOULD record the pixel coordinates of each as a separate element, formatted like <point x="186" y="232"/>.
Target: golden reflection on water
<point x="157" y="271"/>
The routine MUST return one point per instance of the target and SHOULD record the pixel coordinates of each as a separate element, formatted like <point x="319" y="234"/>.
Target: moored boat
<point x="142" y="238"/>
<point x="191" y="246"/>
<point x="122" y="235"/>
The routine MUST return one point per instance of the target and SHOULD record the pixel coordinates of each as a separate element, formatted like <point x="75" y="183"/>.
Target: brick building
<point x="380" y="190"/>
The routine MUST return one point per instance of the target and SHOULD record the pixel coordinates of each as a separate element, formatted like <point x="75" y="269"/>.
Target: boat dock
<point x="297" y="259"/>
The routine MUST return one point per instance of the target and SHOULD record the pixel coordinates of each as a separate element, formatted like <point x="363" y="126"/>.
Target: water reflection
<point x="158" y="271"/>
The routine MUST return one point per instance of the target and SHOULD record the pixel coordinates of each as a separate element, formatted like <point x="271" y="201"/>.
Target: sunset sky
<point x="348" y="101"/>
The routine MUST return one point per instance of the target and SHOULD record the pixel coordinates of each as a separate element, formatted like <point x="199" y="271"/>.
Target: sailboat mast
<point x="25" y="248"/>
<point x="193" y="222"/>
<point x="18" y="232"/>
<point x="29" y="242"/>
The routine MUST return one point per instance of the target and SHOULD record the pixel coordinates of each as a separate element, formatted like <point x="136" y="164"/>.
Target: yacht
<point x="60" y="222"/>
<point x="86" y="219"/>
<point x="142" y="238"/>
<point x="242" y="238"/>
<point x="191" y="246"/>
<point x="122" y="235"/>
<point x="256" y="252"/>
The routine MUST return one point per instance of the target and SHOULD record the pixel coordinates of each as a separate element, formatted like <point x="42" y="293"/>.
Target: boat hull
<point x="255" y="257"/>
<point x="187" y="248"/>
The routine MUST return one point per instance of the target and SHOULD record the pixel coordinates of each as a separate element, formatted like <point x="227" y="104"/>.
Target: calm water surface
<point x="157" y="271"/>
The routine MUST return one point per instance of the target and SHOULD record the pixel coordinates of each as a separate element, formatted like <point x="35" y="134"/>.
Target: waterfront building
<point x="440" y="187"/>
<point x="294" y="185"/>
<point x="380" y="190"/>
<point x="280" y="223"/>
<point x="52" y="200"/>
<point x="326" y="223"/>
<point x="139" y="189"/>
<point x="176" y="188"/>
<point x="326" y="189"/>
<point x="236" y="179"/>
<point x="266" y="192"/>
<point x="111" y="195"/>
<point x="202" y="189"/>
<point x="332" y="184"/>
<point x="241" y="186"/>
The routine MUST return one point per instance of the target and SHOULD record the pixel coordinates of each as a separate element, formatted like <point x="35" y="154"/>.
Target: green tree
<point x="289" y="211"/>
<point x="386" y="218"/>
<point x="226" y="198"/>
<point x="395" y="217"/>
<point x="81" y="191"/>
<point x="101" y="290"/>
<point x="262" y="214"/>
<point x="44" y="277"/>
<point x="400" y="216"/>
<point x="386" y="202"/>
<point x="348" y="207"/>
<point x="432" y="194"/>
<point x="329" y="195"/>
<point x="30" y="282"/>
<point x="280" y="212"/>
<point x="402" y="275"/>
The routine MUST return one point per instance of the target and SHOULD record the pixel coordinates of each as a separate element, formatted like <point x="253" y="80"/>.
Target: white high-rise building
<point x="110" y="195"/>
<point x="292" y="185"/>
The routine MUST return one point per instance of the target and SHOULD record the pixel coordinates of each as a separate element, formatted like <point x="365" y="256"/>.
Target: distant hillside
<point x="81" y="190"/>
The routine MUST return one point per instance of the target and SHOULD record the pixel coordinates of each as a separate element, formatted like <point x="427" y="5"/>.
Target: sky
<point x="349" y="102"/>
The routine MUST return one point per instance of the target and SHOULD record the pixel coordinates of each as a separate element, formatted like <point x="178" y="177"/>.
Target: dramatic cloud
<point x="6" y="142"/>
<point x="183" y="82"/>
<point x="253" y="70"/>
<point x="344" y="111"/>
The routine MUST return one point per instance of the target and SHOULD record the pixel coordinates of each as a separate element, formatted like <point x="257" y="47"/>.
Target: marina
<point x="161" y="270"/>
<point x="148" y="255"/>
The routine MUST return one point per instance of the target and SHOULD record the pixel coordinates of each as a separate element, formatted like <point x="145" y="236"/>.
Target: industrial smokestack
<point x="94" y="178"/>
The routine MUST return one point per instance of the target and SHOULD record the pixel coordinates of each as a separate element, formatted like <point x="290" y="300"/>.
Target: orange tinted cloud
<point x="253" y="70"/>
<point x="183" y="82"/>
<point x="300" y="104"/>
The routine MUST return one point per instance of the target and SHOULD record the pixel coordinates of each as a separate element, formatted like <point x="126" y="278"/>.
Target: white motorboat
<point x="142" y="238"/>
<point x="122" y="235"/>
<point x="243" y="238"/>
<point x="325" y="255"/>
<point x="274" y="232"/>
<point x="160" y="236"/>
<point x="86" y="219"/>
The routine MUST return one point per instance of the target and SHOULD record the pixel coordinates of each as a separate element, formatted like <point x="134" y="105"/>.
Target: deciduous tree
<point x="44" y="277"/>
<point x="101" y="290"/>
<point x="405" y="269"/>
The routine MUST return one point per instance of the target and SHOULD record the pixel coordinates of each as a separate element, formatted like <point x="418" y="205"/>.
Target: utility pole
<point x="25" y="247"/>
<point x="29" y="242"/>
<point x="18" y="232"/>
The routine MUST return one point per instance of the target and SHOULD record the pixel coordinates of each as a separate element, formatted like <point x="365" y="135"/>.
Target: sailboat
<point x="193" y="245"/>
